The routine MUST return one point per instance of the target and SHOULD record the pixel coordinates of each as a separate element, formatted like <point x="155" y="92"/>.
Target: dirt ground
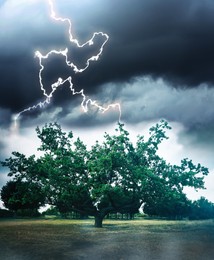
<point x="119" y="240"/>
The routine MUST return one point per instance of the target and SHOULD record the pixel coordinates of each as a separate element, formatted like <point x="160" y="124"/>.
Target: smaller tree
<point x="202" y="209"/>
<point x="22" y="196"/>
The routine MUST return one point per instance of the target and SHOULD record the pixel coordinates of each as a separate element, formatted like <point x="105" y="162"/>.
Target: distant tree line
<point x="114" y="176"/>
<point x="180" y="209"/>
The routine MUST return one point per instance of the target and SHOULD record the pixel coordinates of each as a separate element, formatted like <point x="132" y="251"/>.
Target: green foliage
<point x="170" y="204"/>
<point x="18" y="195"/>
<point x="113" y="176"/>
<point x="202" y="209"/>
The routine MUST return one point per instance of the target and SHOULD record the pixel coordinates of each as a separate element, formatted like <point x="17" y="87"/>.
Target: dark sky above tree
<point x="158" y="63"/>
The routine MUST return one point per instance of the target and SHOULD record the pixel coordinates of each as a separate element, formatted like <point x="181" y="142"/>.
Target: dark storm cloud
<point x="19" y="81"/>
<point x="4" y="115"/>
<point x="169" y="39"/>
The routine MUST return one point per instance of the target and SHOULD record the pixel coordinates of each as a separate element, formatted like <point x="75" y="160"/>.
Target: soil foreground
<point x="119" y="240"/>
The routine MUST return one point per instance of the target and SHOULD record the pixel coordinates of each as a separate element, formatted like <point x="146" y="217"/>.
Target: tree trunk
<point x="98" y="221"/>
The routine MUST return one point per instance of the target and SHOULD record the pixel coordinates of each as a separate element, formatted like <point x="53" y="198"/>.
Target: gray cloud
<point x="157" y="99"/>
<point x="4" y="116"/>
<point x="141" y="100"/>
<point x="147" y="100"/>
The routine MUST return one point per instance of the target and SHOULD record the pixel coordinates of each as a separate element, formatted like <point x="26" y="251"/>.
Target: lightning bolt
<point x="85" y="101"/>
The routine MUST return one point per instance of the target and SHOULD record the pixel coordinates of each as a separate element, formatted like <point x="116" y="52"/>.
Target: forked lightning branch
<point x="48" y="96"/>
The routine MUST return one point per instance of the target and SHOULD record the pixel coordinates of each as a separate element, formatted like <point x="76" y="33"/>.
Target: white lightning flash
<point x="85" y="101"/>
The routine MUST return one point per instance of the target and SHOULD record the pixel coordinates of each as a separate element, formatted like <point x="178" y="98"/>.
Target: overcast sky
<point x="158" y="63"/>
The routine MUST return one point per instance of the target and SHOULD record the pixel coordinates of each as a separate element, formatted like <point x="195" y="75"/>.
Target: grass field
<point x="136" y="239"/>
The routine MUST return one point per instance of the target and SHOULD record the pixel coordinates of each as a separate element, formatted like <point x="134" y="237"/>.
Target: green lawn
<point x="135" y="239"/>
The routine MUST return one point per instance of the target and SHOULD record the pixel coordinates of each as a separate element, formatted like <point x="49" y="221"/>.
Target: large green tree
<point x="113" y="176"/>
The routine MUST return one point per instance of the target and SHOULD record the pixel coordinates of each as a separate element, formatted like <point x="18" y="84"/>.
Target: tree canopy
<point x="112" y="176"/>
<point x="22" y="196"/>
